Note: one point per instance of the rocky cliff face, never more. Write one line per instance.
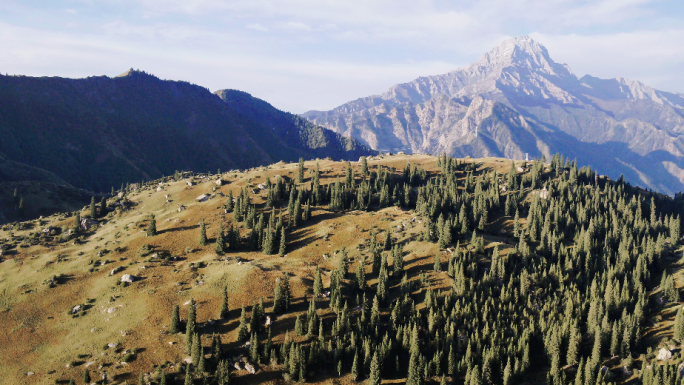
(514, 100)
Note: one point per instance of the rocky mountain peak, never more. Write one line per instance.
(523, 52)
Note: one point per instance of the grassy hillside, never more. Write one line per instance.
(491, 303)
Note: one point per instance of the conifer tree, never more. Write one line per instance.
(141, 378)
(300, 171)
(77, 222)
(355, 366)
(242, 328)
(679, 325)
(283, 242)
(219, 240)
(364, 166)
(361, 274)
(278, 300)
(152, 226)
(437, 266)
(223, 313)
(203, 233)
(388, 240)
(188, 376)
(93, 212)
(196, 349)
(254, 348)
(190, 325)
(175, 320)
(318, 282)
(103, 206)
(86, 377)
(223, 373)
(375, 377)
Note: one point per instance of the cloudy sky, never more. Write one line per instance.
(317, 54)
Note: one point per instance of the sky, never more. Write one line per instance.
(302, 55)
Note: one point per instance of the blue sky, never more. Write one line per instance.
(317, 54)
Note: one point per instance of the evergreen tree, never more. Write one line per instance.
(77, 222)
(300, 171)
(203, 233)
(93, 212)
(375, 377)
(152, 226)
(355, 366)
(86, 377)
(219, 240)
(283, 242)
(364, 166)
(437, 266)
(679, 325)
(175, 320)
(190, 326)
(318, 282)
(361, 275)
(278, 298)
(188, 376)
(242, 329)
(103, 206)
(196, 351)
(224, 312)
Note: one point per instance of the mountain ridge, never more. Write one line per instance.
(547, 106)
(99, 132)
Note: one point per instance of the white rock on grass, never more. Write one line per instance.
(127, 278)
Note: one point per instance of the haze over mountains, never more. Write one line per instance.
(99, 132)
(515, 100)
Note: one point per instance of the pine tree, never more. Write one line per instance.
(202, 365)
(437, 266)
(283, 242)
(278, 300)
(77, 222)
(242, 329)
(141, 378)
(254, 348)
(318, 282)
(223, 373)
(223, 313)
(355, 366)
(103, 206)
(152, 226)
(361, 275)
(188, 376)
(364, 166)
(675, 230)
(175, 320)
(190, 325)
(86, 377)
(388, 241)
(414, 370)
(374, 378)
(300, 171)
(203, 233)
(93, 212)
(679, 325)
(219, 240)
(196, 349)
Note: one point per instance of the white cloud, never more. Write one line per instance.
(257, 27)
(294, 26)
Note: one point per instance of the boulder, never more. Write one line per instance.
(250, 369)
(127, 278)
(664, 355)
(189, 182)
(76, 309)
(219, 182)
(87, 223)
(202, 198)
(116, 270)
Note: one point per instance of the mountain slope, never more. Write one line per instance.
(514, 100)
(99, 132)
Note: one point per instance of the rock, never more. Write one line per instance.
(189, 182)
(116, 270)
(237, 366)
(127, 278)
(29, 373)
(89, 363)
(87, 223)
(181, 208)
(75, 309)
(250, 368)
(171, 343)
(268, 321)
(159, 189)
(187, 360)
(111, 310)
(202, 198)
(219, 182)
(664, 355)
(112, 345)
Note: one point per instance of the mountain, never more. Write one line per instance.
(516, 100)
(99, 132)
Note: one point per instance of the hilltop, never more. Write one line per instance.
(429, 266)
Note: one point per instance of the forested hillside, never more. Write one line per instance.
(99, 132)
(412, 269)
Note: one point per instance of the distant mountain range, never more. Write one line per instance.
(516, 100)
(99, 132)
